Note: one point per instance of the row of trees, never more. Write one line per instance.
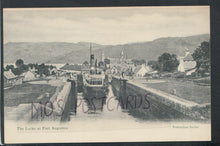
(21, 68)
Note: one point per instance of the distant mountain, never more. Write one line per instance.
(42, 52)
(151, 50)
(62, 52)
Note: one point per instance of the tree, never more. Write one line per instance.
(154, 64)
(19, 63)
(43, 69)
(17, 71)
(8, 67)
(202, 56)
(30, 65)
(21, 67)
(168, 62)
(51, 66)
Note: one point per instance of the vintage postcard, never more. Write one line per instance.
(107, 74)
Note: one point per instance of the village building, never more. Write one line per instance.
(9, 78)
(118, 60)
(28, 76)
(186, 63)
(141, 70)
(121, 64)
(113, 61)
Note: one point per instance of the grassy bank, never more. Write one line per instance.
(185, 89)
(27, 93)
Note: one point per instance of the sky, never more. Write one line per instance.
(107, 26)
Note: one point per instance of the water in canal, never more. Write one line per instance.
(88, 107)
(97, 107)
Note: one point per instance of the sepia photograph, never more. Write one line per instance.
(107, 74)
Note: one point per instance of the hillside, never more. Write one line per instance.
(43, 52)
(151, 50)
(61, 52)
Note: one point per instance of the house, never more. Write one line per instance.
(28, 76)
(141, 70)
(9, 78)
(186, 62)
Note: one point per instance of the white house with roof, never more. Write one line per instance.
(28, 76)
(10, 78)
(186, 63)
(141, 70)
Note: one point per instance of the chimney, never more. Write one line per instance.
(91, 60)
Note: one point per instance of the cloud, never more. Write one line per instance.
(104, 25)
